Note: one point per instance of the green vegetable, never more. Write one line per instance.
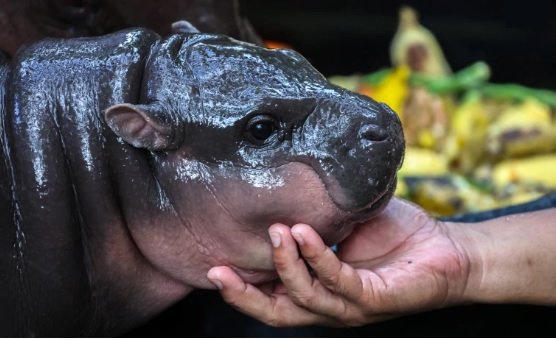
(468, 78)
(518, 93)
(375, 78)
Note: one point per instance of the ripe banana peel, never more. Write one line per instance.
(415, 46)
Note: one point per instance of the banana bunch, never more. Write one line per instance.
(471, 144)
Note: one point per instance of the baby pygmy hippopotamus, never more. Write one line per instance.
(131, 164)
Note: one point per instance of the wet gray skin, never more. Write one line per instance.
(131, 164)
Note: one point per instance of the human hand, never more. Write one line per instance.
(402, 261)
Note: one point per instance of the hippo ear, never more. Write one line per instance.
(183, 26)
(136, 125)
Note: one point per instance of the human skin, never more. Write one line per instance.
(401, 262)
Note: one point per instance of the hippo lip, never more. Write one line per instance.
(357, 217)
(336, 192)
(339, 195)
(369, 211)
(378, 201)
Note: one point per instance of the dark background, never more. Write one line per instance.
(516, 38)
(518, 41)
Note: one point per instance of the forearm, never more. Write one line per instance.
(512, 258)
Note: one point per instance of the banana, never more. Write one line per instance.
(522, 130)
(423, 162)
(393, 88)
(415, 46)
(468, 128)
(538, 170)
(449, 195)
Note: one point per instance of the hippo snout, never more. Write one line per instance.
(359, 147)
(369, 133)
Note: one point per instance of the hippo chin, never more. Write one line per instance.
(131, 164)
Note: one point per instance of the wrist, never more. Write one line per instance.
(467, 286)
(511, 259)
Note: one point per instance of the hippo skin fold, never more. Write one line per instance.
(130, 164)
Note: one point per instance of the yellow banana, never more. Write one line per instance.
(536, 169)
(522, 130)
(393, 89)
(468, 129)
(449, 195)
(423, 162)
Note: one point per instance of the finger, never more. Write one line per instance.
(302, 287)
(290, 266)
(334, 274)
(275, 309)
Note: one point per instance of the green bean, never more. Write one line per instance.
(518, 93)
(468, 78)
(376, 77)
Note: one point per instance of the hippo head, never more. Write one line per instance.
(240, 137)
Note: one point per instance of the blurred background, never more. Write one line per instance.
(472, 82)
(343, 37)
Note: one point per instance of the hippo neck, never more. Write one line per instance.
(76, 188)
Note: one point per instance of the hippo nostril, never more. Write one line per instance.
(372, 133)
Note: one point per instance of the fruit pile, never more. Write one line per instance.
(471, 145)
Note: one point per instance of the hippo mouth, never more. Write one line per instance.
(342, 225)
(350, 215)
(351, 219)
(372, 209)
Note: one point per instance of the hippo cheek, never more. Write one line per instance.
(291, 193)
(201, 233)
(224, 215)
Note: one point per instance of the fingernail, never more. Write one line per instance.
(217, 283)
(298, 238)
(275, 238)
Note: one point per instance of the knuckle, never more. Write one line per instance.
(283, 262)
(232, 300)
(332, 277)
(352, 316)
(274, 321)
(235, 298)
(303, 299)
(316, 255)
(351, 320)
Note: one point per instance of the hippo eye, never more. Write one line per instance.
(260, 128)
